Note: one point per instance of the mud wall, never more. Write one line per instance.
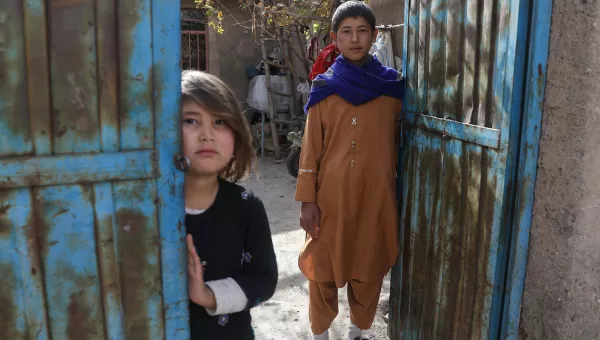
(562, 288)
(233, 50)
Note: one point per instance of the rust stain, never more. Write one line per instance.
(30, 230)
(139, 279)
(13, 91)
(78, 317)
(4, 209)
(108, 265)
(39, 223)
(450, 232)
(411, 166)
(5, 223)
(38, 83)
(60, 212)
(5, 227)
(8, 317)
(74, 78)
(108, 62)
(540, 86)
(129, 18)
(84, 311)
(66, 3)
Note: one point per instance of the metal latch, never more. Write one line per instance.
(182, 163)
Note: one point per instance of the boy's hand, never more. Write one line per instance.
(310, 218)
(198, 292)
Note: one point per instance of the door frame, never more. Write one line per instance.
(524, 164)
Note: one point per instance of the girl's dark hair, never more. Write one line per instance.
(352, 9)
(213, 95)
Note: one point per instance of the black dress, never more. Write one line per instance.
(233, 240)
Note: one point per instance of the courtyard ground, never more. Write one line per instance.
(285, 316)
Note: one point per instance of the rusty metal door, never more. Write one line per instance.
(464, 62)
(90, 201)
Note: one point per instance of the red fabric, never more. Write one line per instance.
(324, 61)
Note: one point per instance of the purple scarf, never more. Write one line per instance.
(356, 85)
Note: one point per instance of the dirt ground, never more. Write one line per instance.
(285, 316)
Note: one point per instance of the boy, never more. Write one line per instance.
(347, 178)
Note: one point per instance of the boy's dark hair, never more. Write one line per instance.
(352, 9)
(213, 95)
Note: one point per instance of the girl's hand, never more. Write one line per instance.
(198, 292)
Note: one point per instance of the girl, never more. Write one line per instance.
(231, 261)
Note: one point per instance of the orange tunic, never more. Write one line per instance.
(348, 168)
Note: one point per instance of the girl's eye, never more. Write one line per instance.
(219, 122)
(190, 121)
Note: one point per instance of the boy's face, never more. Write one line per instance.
(354, 38)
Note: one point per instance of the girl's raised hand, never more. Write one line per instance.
(197, 290)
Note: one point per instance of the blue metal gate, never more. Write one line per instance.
(465, 63)
(90, 202)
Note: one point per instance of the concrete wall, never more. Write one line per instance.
(233, 50)
(391, 12)
(562, 288)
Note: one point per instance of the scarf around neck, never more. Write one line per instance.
(356, 84)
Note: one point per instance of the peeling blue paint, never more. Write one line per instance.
(91, 204)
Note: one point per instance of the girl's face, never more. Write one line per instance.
(207, 141)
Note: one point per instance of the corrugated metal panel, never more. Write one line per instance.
(461, 60)
(90, 202)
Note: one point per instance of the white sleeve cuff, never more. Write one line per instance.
(229, 296)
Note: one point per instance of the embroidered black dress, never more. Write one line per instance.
(233, 240)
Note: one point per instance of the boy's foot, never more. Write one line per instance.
(323, 336)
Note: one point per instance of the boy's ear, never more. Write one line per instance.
(375, 33)
(333, 36)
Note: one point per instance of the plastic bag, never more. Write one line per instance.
(257, 93)
(383, 49)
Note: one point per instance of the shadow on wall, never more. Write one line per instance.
(562, 287)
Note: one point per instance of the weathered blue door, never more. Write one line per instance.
(90, 201)
(464, 66)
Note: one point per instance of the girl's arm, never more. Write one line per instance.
(259, 279)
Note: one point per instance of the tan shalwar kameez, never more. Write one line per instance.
(348, 168)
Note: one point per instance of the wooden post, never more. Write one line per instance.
(272, 110)
(283, 40)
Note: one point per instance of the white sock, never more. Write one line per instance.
(354, 332)
(322, 336)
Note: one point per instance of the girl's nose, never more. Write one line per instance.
(206, 133)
